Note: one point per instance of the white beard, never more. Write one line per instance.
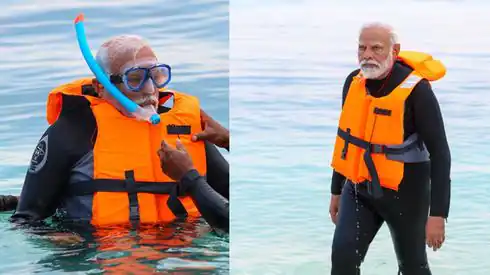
(374, 72)
(149, 102)
(149, 108)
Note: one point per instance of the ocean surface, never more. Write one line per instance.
(288, 62)
(39, 51)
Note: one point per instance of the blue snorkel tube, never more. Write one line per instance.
(127, 104)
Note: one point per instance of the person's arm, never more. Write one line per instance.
(45, 179)
(213, 132)
(337, 178)
(337, 183)
(177, 164)
(429, 125)
(211, 195)
(213, 207)
(218, 171)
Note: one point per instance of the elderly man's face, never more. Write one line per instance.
(147, 96)
(375, 52)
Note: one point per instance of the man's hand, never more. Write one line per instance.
(435, 232)
(213, 132)
(8, 202)
(65, 238)
(334, 207)
(175, 163)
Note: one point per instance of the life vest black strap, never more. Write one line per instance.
(174, 203)
(85, 188)
(373, 148)
(374, 187)
(132, 188)
(134, 209)
(89, 90)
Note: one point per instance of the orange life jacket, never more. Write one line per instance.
(370, 143)
(128, 183)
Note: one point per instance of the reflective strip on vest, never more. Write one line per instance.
(410, 81)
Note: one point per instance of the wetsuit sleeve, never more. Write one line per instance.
(429, 125)
(211, 194)
(45, 179)
(337, 178)
(218, 170)
(213, 207)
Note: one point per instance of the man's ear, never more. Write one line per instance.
(396, 50)
(99, 89)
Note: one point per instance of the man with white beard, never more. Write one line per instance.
(391, 158)
(98, 164)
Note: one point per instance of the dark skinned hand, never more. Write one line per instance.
(213, 132)
(175, 162)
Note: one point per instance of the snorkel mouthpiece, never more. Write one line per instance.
(130, 106)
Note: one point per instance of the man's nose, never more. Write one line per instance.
(148, 87)
(367, 55)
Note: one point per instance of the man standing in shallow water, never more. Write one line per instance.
(391, 155)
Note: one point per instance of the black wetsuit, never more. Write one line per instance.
(424, 185)
(69, 142)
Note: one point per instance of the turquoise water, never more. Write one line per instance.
(39, 52)
(288, 62)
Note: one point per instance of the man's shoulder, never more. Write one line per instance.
(423, 84)
(74, 126)
(350, 76)
(422, 89)
(354, 73)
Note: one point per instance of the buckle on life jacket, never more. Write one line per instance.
(89, 90)
(130, 182)
(377, 148)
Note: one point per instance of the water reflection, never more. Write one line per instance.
(184, 246)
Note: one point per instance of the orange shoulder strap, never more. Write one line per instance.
(192, 102)
(54, 102)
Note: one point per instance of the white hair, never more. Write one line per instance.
(393, 35)
(112, 48)
(102, 59)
